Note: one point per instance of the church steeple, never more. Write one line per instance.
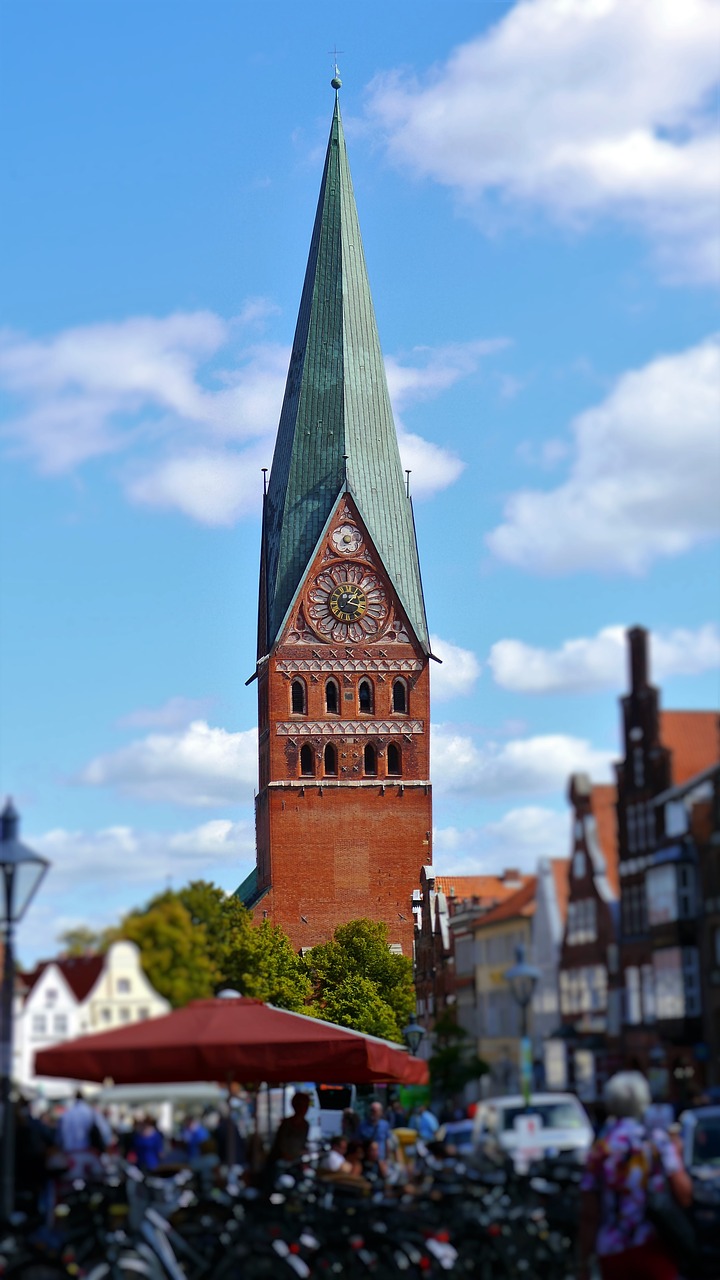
(336, 432)
(343, 812)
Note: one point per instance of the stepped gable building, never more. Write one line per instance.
(660, 973)
(343, 812)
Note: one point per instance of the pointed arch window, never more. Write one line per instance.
(298, 700)
(307, 761)
(370, 756)
(394, 760)
(332, 697)
(400, 697)
(330, 760)
(365, 696)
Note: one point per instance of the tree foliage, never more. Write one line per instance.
(174, 951)
(358, 982)
(81, 940)
(202, 928)
(453, 1063)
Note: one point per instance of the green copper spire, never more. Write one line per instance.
(336, 430)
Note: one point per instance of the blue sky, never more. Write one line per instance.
(537, 186)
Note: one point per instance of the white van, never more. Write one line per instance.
(333, 1099)
(551, 1123)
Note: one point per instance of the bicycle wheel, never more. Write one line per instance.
(127, 1267)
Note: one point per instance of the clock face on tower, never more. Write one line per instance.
(347, 602)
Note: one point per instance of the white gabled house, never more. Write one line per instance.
(73, 996)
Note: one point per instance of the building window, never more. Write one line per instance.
(370, 757)
(393, 760)
(662, 902)
(647, 979)
(583, 990)
(638, 763)
(39, 1024)
(307, 761)
(581, 921)
(60, 1024)
(691, 982)
(124, 1015)
(332, 697)
(631, 824)
(51, 995)
(669, 987)
(578, 866)
(633, 1013)
(298, 698)
(686, 891)
(365, 696)
(634, 910)
(123, 986)
(106, 1015)
(399, 696)
(143, 1015)
(330, 760)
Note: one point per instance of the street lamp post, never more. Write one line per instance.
(522, 979)
(412, 1034)
(22, 872)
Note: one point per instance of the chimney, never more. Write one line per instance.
(638, 640)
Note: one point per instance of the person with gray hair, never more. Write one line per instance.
(626, 1161)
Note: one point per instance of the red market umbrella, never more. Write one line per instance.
(239, 1039)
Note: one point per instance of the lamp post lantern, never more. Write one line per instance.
(22, 872)
(522, 979)
(412, 1034)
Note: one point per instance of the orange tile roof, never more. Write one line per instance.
(561, 876)
(694, 739)
(520, 903)
(604, 799)
(494, 888)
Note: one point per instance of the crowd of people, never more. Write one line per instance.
(634, 1161)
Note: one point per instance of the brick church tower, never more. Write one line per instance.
(344, 809)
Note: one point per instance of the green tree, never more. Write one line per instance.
(175, 954)
(230, 950)
(261, 963)
(453, 1063)
(359, 982)
(81, 940)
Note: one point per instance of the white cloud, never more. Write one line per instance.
(458, 674)
(192, 408)
(517, 840)
(95, 876)
(643, 480)
(214, 487)
(580, 108)
(198, 766)
(528, 766)
(173, 714)
(590, 663)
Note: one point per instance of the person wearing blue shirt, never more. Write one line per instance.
(426, 1123)
(376, 1129)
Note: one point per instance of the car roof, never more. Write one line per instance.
(517, 1100)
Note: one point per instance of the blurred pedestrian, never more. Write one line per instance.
(396, 1115)
(624, 1162)
(146, 1144)
(376, 1128)
(83, 1134)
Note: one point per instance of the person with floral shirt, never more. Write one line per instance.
(624, 1161)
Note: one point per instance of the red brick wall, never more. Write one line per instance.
(335, 848)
